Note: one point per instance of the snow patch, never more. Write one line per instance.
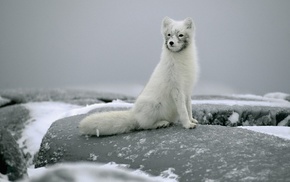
(169, 174)
(91, 172)
(165, 176)
(3, 178)
(84, 110)
(234, 118)
(42, 114)
(279, 131)
(268, 103)
(277, 95)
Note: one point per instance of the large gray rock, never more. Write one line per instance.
(146, 147)
(205, 153)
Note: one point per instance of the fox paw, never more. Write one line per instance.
(189, 125)
(162, 124)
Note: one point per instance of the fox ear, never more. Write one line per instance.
(188, 22)
(166, 21)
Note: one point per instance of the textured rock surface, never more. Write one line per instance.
(250, 111)
(12, 161)
(13, 118)
(205, 153)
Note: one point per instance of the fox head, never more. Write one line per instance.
(177, 34)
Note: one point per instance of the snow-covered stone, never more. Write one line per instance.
(206, 153)
(248, 110)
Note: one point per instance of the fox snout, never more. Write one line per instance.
(171, 43)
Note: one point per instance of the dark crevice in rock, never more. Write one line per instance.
(105, 100)
(11, 103)
(3, 165)
(281, 116)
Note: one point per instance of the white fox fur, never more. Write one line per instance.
(167, 96)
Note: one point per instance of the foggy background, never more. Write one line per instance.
(243, 45)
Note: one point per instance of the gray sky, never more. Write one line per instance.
(244, 45)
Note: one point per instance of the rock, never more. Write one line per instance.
(12, 161)
(250, 110)
(206, 153)
(72, 96)
(14, 118)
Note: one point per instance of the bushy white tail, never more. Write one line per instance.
(108, 123)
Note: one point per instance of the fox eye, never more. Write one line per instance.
(168, 34)
(180, 35)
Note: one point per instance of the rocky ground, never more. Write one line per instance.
(215, 151)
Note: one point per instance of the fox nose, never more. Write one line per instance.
(171, 43)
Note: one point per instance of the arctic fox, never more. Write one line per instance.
(167, 96)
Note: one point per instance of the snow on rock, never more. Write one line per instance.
(279, 131)
(91, 172)
(245, 100)
(234, 118)
(52, 127)
(42, 115)
(114, 104)
(252, 110)
(277, 95)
